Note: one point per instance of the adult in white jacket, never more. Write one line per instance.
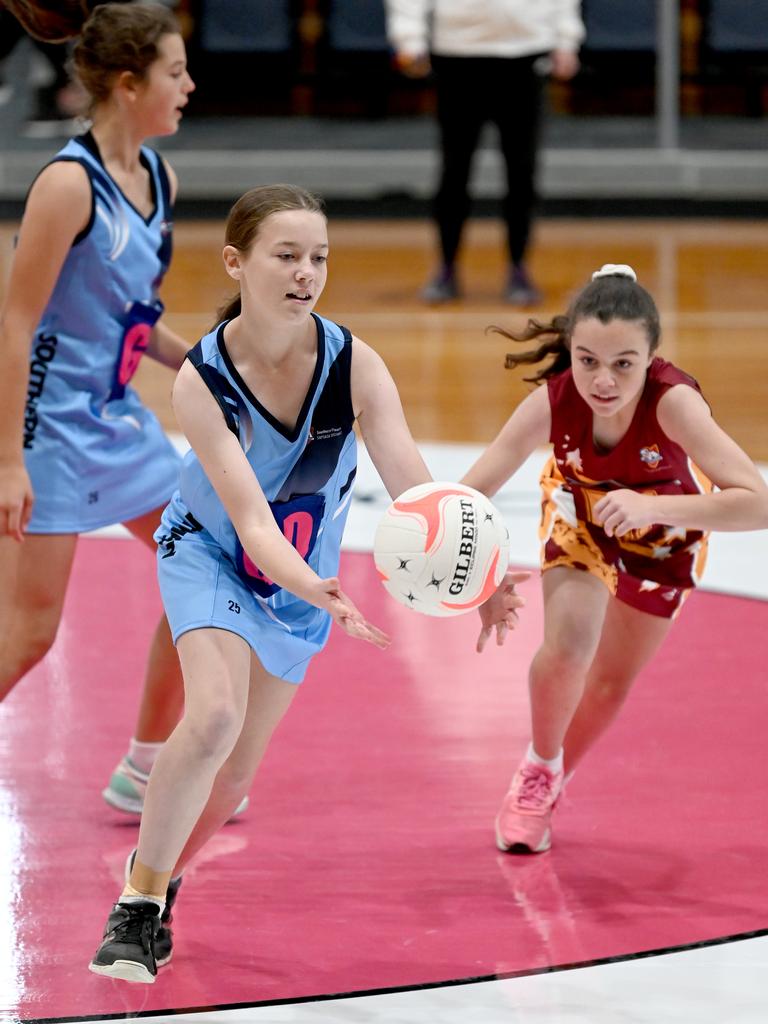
(490, 59)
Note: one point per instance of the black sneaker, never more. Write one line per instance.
(128, 948)
(164, 937)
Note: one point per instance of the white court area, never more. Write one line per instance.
(720, 984)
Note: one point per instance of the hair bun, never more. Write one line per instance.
(615, 270)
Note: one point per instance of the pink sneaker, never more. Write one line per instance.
(523, 823)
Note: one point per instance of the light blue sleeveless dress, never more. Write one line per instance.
(306, 473)
(94, 453)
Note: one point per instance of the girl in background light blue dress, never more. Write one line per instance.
(78, 450)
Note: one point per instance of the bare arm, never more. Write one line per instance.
(173, 181)
(228, 470)
(382, 423)
(234, 481)
(167, 347)
(526, 429)
(58, 208)
(408, 31)
(740, 504)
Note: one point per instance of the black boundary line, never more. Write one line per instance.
(327, 997)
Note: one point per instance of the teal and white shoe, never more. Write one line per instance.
(128, 784)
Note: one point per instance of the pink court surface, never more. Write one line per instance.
(366, 861)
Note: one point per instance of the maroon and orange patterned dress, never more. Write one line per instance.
(654, 568)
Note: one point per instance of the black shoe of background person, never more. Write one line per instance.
(442, 288)
(520, 289)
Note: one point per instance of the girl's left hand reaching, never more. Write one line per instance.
(500, 610)
(624, 510)
(346, 615)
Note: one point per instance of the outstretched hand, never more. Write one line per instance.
(500, 610)
(345, 614)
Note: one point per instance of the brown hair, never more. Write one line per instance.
(606, 298)
(249, 213)
(119, 37)
(53, 21)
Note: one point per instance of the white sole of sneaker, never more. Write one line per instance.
(124, 970)
(122, 803)
(128, 806)
(505, 847)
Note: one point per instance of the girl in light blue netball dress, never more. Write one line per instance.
(306, 471)
(78, 450)
(248, 548)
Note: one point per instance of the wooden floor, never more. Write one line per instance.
(709, 278)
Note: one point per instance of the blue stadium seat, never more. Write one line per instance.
(242, 26)
(354, 59)
(620, 25)
(357, 26)
(734, 49)
(736, 26)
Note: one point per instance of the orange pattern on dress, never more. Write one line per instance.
(577, 551)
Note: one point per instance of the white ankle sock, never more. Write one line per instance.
(142, 755)
(554, 764)
(142, 898)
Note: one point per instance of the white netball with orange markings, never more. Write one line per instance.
(441, 548)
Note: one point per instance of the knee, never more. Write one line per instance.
(37, 641)
(214, 730)
(610, 690)
(24, 644)
(562, 659)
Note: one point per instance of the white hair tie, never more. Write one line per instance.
(615, 270)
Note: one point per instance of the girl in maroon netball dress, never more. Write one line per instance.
(639, 474)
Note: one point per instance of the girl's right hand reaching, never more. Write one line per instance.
(346, 615)
(500, 610)
(16, 500)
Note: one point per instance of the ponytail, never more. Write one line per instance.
(51, 21)
(612, 294)
(229, 310)
(555, 344)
